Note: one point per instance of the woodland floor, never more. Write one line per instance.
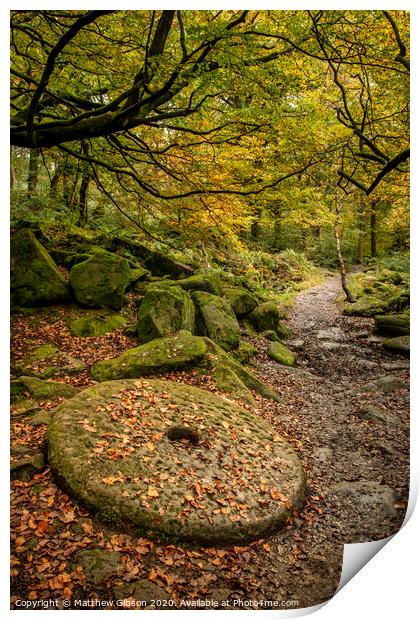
(318, 415)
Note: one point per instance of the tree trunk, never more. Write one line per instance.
(342, 266)
(32, 172)
(373, 249)
(255, 224)
(362, 233)
(54, 182)
(83, 194)
(12, 168)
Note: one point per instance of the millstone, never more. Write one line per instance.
(175, 460)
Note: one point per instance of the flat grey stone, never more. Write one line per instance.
(369, 412)
(332, 333)
(143, 591)
(97, 564)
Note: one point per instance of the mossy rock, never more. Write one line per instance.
(41, 353)
(48, 361)
(96, 323)
(244, 353)
(139, 274)
(281, 354)
(366, 306)
(25, 466)
(228, 382)
(98, 564)
(158, 263)
(155, 357)
(213, 491)
(216, 357)
(40, 390)
(392, 324)
(164, 311)
(100, 281)
(271, 335)
(216, 320)
(400, 344)
(143, 591)
(67, 258)
(241, 300)
(264, 317)
(207, 282)
(35, 278)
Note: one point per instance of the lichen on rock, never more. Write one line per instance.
(216, 320)
(164, 311)
(214, 492)
(100, 281)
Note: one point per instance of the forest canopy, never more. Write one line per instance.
(224, 119)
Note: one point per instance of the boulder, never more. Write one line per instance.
(228, 382)
(241, 300)
(216, 357)
(271, 335)
(244, 353)
(48, 361)
(281, 354)
(40, 390)
(155, 357)
(387, 383)
(216, 320)
(227, 479)
(392, 324)
(164, 311)
(374, 414)
(158, 263)
(35, 278)
(100, 281)
(139, 274)
(25, 465)
(96, 323)
(400, 344)
(145, 592)
(265, 317)
(98, 564)
(208, 282)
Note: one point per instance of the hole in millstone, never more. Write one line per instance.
(179, 433)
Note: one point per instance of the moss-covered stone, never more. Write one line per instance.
(137, 275)
(244, 353)
(216, 357)
(208, 282)
(387, 383)
(366, 306)
(271, 335)
(177, 489)
(400, 344)
(96, 323)
(24, 467)
(164, 311)
(264, 317)
(228, 382)
(281, 354)
(241, 300)
(216, 319)
(143, 591)
(40, 390)
(35, 278)
(154, 357)
(48, 361)
(100, 281)
(392, 324)
(98, 564)
(159, 263)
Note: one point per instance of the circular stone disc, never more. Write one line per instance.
(176, 460)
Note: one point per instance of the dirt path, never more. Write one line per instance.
(357, 468)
